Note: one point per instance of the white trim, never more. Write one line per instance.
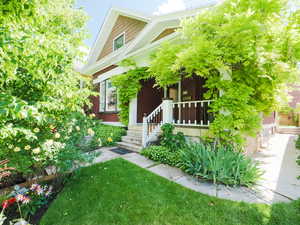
(124, 41)
(116, 124)
(106, 28)
(109, 74)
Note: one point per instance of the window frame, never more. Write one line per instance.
(104, 110)
(124, 40)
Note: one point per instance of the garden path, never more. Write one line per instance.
(278, 161)
(258, 194)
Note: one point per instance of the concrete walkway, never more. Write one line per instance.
(259, 194)
(278, 161)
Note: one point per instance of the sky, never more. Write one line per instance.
(98, 9)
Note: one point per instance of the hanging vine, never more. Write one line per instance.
(128, 86)
(246, 50)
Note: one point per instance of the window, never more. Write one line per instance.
(108, 97)
(119, 42)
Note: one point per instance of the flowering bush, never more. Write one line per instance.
(39, 91)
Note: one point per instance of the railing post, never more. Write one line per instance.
(145, 131)
(167, 108)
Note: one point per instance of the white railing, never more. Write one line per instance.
(152, 124)
(192, 113)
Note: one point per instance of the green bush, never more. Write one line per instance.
(170, 140)
(162, 154)
(298, 142)
(220, 164)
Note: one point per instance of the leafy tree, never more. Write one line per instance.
(248, 52)
(39, 91)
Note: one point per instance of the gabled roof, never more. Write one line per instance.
(107, 26)
(156, 24)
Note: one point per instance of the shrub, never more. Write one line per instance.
(170, 140)
(298, 142)
(219, 165)
(162, 154)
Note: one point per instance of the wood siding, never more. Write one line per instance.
(131, 28)
(165, 33)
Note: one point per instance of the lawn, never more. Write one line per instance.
(118, 192)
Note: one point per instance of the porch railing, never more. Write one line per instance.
(152, 124)
(191, 113)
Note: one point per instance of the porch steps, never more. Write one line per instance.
(133, 140)
(289, 130)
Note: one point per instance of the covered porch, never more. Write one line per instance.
(181, 104)
(186, 99)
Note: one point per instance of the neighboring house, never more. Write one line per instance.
(125, 34)
(292, 118)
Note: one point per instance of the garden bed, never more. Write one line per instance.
(57, 182)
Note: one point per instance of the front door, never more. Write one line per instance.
(149, 98)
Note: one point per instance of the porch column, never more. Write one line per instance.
(132, 112)
(167, 108)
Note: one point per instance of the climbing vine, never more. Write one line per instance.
(248, 53)
(128, 86)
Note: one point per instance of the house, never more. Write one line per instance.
(126, 34)
(291, 117)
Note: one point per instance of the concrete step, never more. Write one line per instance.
(132, 139)
(130, 146)
(134, 133)
(287, 130)
(136, 128)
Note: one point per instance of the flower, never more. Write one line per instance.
(36, 130)
(27, 147)
(20, 197)
(34, 187)
(51, 127)
(17, 149)
(77, 128)
(39, 190)
(91, 132)
(26, 200)
(8, 202)
(36, 150)
(109, 139)
(10, 146)
(92, 115)
(57, 135)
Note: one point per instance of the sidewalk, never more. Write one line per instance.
(255, 195)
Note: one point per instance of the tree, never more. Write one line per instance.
(248, 52)
(39, 91)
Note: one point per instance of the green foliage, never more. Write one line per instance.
(128, 86)
(172, 141)
(40, 98)
(248, 53)
(298, 142)
(162, 154)
(132, 195)
(221, 164)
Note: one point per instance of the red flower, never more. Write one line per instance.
(7, 203)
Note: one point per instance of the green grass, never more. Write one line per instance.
(118, 192)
